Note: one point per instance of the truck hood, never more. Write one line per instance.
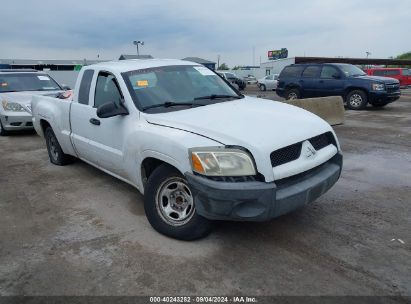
(385, 80)
(259, 125)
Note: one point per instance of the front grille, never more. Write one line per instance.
(233, 179)
(29, 124)
(322, 141)
(286, 154)
(292, 152)
(393, 87)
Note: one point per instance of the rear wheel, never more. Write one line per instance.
(292, 94)
(56, 154)
(3, 132)
(356, 100)
(169, 206)
(262, 87)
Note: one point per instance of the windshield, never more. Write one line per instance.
(351, 70)
(171, 85)
(27, 82)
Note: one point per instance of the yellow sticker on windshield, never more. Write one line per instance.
(4, 84)
(142, 83)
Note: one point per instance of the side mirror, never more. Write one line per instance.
(65, 87)
(111, 109)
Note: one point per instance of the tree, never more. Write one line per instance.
(223, 67)
(237, 67)
(405, 56)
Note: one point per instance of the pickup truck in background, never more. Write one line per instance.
(197, 149)
(336, 79)
(17, 86)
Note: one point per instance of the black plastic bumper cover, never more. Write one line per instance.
(260, 201)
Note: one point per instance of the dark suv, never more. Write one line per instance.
(331, 79)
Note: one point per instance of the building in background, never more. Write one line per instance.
(206, 63)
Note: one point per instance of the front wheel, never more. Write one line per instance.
(356, 100)
(169, 206)
(262, 87)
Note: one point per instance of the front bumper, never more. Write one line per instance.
(383, 97)
(16, 121)
(260, 201)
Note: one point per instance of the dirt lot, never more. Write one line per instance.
(77, 231)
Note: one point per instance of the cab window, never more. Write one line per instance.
(107, 90)
(329, 72)
(311, 72)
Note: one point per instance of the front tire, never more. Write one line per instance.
(169, 206)
(56, 154)
(262, 87)
(356, 100)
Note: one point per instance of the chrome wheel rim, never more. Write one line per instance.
(355, 100)
(174, 202)
(262, 87)
(292, 96)
(53, 147)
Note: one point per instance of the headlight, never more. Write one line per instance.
(221, 162)
(12, 106)
(378, 87)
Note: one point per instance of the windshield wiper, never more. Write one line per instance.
(356, 75)
(168, 104)
(216, 96)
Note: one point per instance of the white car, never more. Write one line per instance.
(195, 148)
(269, 82)
(16, 89)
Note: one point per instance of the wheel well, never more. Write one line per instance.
(44, 124)
(149, 165)
(292, 86)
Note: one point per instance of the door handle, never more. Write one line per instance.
(94, 121)
(321, 81)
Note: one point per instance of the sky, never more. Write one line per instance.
(241, 32)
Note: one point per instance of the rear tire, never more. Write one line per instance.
(292, 94)
(169, 206)
(262, 87)
(356, 100)
(2, 131)
(56, 154)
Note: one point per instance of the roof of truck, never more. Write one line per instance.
(137, 64)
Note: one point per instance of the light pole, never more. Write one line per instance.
(368, 53)
(136, 43)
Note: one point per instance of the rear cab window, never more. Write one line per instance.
(85, 85)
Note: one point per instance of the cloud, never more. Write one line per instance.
(179, 28)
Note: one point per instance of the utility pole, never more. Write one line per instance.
(218, 61)
(136, 43)
(253, 55)
(368, 53)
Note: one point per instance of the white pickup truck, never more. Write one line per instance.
(191, 143)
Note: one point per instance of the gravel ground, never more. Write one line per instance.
(76, 231)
